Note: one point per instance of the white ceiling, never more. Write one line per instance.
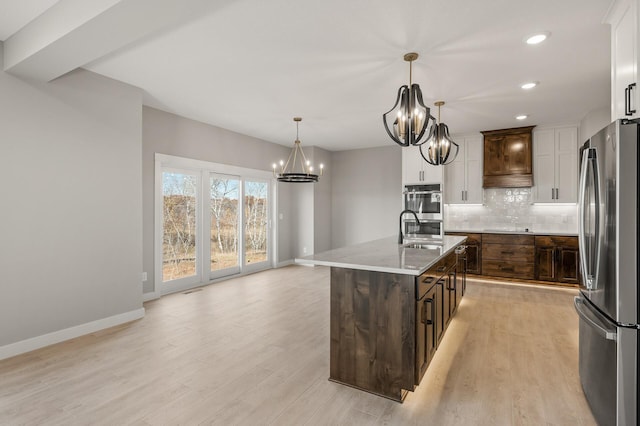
(251, 65)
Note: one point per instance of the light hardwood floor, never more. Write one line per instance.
(255, 350)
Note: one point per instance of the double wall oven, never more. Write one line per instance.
(426, 201)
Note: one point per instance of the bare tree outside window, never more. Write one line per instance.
(179, 225)
(256, 221)
(224, 194)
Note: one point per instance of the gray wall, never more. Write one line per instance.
(322, 202)
(71, 225)
(366, 198)
(170, 134)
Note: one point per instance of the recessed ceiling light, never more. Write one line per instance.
(538, 37)
(529, 85)
(521, 117)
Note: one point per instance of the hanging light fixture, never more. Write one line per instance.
(305, 173)
(409, 120)
(440, 145)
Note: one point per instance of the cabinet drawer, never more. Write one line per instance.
(471, 238)
(508, 252)
(508, 239)
(556, 241)
(498, 268)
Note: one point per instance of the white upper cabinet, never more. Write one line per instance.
(624, 20)
(463, 177)
(555, 165)
(417, 171)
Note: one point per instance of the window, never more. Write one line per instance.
(212, 220)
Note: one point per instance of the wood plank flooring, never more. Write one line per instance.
(255, 350)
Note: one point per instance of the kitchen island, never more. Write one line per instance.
(390, 306)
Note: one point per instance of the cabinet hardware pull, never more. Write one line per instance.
(506, 252)
(626, 101)
(430, 302)
(630, 87)
(428, 280)
(462, 195)
(557, 194)
(553, 194)
(507, 269)
(441, 268)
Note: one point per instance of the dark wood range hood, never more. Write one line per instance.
(508, 158)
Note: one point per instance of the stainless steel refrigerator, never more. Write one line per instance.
(608, 302)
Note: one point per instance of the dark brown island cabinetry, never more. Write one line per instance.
(508, 158)
(557, 259)
(386, 327)
(474, 251)
(508, 256)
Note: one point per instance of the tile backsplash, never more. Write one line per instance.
(510, 209)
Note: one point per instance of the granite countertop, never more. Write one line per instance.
(386, 255)
(514, 232)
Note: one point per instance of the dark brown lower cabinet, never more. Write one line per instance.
(474, 251)
(557, 259)
(385, 328)
(426, 330)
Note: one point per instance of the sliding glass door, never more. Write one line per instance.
(213, 221)
(256, 223)
(224, 212)
(180, 223)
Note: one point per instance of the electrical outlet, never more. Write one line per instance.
(144, 276)
(304, 250)
(281, 216)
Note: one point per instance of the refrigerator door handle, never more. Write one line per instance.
(581, 229)
(593, 321)
(590, 271)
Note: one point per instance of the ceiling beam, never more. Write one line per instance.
(73, 33)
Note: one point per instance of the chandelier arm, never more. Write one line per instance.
(286, 165)
(428, 115)
(295, 156)
(445, 162)
(431, 130)
(384, 118)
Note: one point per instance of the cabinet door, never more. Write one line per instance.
(443, 304)
(454, 294)
(568, 264)
(430, 173)
(473, 170)
(426, 318)
(473, 259)
(566, 169)
(624, 44)
(544, 166)
(545, 264)
(455, 180)
(411, 165)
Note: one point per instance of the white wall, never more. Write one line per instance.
(366, 194)
(166, 133)
(71, 226)
(593, 122)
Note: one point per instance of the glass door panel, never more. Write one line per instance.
(256, 221)
(224, 196)
(179, 225)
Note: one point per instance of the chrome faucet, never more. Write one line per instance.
(400, 236)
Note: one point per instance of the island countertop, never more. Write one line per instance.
(386, 255)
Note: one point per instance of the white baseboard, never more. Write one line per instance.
(152, 295)
(285, 263)
(38, 342)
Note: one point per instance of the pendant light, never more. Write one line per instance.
(305, 173)
(409, 120)
(439, 145)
